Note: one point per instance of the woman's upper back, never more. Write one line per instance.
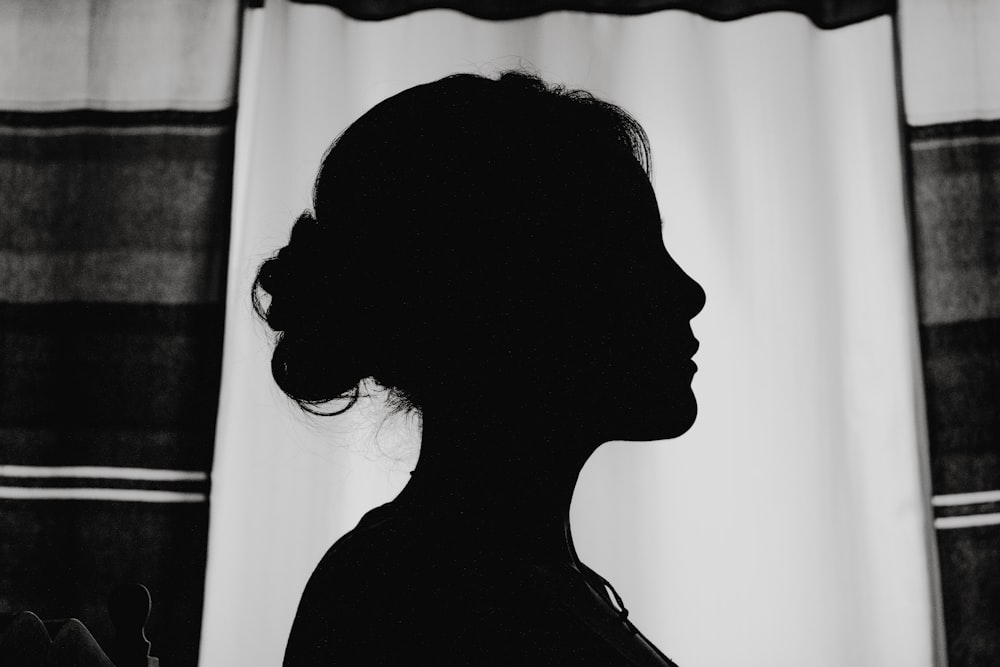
(395, 591)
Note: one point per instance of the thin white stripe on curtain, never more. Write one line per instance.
(789, 527)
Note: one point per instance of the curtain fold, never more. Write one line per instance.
(116, 147)
(788, 527)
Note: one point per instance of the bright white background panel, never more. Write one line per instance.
(118, 55)
(788, 527)
(951, 60)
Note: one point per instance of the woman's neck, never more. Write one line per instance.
(509, 486)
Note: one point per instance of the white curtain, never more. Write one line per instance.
(789, 526)
(951, 60)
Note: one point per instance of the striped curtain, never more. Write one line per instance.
(951, 70)
(116, 146)
(790, 526)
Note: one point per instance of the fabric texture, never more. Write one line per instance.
(116, 146)
(790, 526)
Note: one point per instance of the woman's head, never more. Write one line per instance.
(489, 246)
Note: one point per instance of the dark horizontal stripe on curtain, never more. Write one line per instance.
(827, 14)
(958, 130)
(956, 196)
(962, 376)
(102, 118)
(76, 371)
(971, 510)
(61, 444)
(60, 556)
(970, 579)
(114, 213)
(198, 320)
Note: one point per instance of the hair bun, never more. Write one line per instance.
(295, 276)
(315, 323)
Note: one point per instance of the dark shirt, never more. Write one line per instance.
(398, 590)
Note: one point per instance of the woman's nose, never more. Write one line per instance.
(689, 295)
(698, 297)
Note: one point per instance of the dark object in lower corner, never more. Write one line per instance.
(28, 641)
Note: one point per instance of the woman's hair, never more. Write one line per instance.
(440, 219)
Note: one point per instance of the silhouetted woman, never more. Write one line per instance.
(489, 251)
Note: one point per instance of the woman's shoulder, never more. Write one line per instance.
(379, 555)
(396, 591)
(380, 592)
(390, 548)
(379, 539)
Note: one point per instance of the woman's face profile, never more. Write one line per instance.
(632, 328)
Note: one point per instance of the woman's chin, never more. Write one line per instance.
(663, 419)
